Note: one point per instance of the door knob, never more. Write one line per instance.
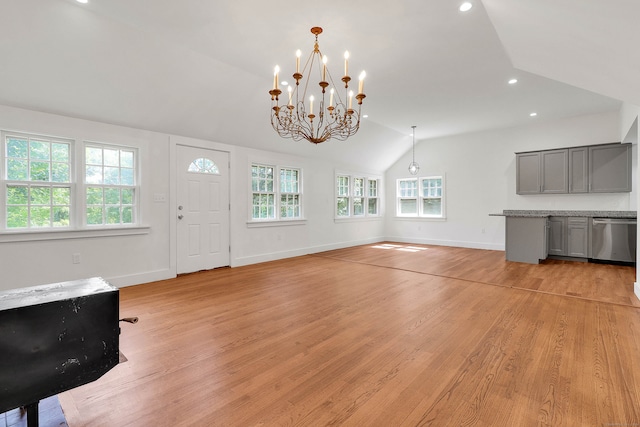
(180, 216)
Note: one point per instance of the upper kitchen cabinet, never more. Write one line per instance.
(542, 172)
(596, 169)
(579, 170)
(528, 173)
(554, 172)
(610, 168)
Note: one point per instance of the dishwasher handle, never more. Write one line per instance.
(614, 221)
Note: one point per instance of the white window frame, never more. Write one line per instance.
(32, 185)
(357, 195)
(278, 194)
(419, 197)
(134, 188)
(77, 226)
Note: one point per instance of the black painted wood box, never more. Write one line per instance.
(56, 337)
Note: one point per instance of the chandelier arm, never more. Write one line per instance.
(336, 92)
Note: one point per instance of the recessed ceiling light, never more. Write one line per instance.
(365, 116)
(533, 114)
(284, 83)
(465, 6)
(83, 1)
(513, 81)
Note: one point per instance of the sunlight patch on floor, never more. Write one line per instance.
(402, 248)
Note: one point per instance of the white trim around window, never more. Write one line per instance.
(357, 196)
(275, 195)
(421, 197)
(43, 185)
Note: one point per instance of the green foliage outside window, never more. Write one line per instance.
(43, 166)
(110, 174)
(357, 196)
(37, 207)
(38, 179)
(109, 205)
(276, 192)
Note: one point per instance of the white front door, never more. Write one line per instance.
(203, 209)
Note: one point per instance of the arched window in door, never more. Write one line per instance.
(204, 165)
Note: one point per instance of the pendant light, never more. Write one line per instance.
(413, 166)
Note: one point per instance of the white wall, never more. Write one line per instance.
(123, 259)
(480, 179)
(321, 231)
(150, 256)
(629, 127)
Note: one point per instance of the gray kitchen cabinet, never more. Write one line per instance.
(610, 168)
(542, 172)
(528, 173)
(590, 169)
(579, 170)
(557, 236)
(568, 236)
(578, 237)
(526, 239)
(554, 171)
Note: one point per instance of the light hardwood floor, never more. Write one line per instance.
(376, 335)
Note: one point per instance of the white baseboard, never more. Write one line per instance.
(154, 276)
(636, 289)
(139, 278)
(273, 256)
(454, 243)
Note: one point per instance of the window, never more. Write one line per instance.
(276, 193)
(356, 196)
(343, 196)
(373, 197)
(289, 193)
(110, 185)
(39, 192)
(431, 196)
(37, 182)
(204, 165)
(421, 197)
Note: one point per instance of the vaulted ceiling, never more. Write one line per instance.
(203, 68)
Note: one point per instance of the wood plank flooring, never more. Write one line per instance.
(376, 335)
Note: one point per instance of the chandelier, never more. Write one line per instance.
(298, 120)
(414, 167)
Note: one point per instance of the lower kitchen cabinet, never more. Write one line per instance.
(569, 236)
(557, 235)
(532, 236)
(578, 237)
(526, 239)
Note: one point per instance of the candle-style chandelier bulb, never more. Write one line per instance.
(296, 117)
(414, 167)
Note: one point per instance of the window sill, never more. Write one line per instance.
(84, 233)
(276, 223)
(358, 219)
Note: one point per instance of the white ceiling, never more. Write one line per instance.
(204, 68)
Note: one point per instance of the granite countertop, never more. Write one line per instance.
(546, 213)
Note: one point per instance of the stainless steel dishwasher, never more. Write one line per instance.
(613, 239)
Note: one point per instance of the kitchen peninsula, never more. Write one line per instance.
(534, 235)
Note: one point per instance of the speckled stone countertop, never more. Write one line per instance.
(542, 214)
